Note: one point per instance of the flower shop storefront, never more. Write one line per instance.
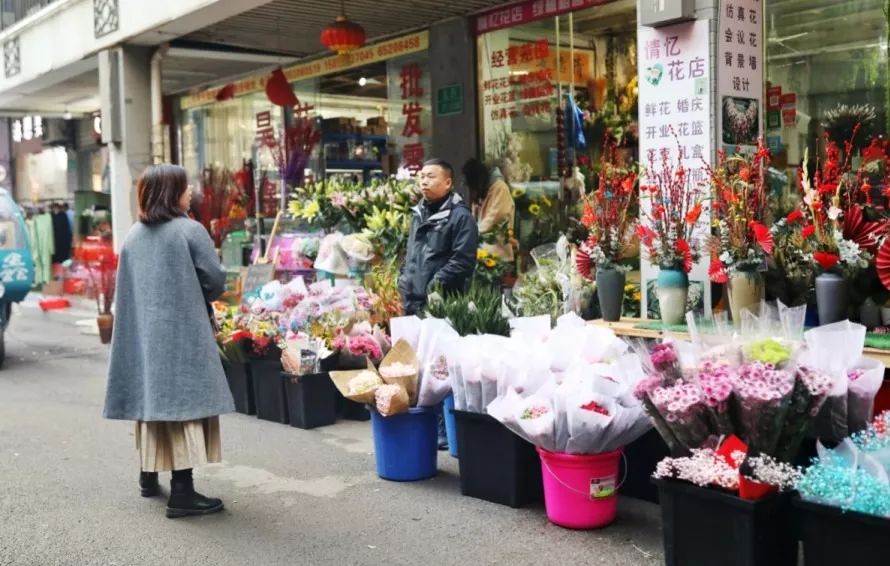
(541, 59)
(353, 119)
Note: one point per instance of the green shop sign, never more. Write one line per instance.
(450, 100)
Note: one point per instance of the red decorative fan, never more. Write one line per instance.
(583, 263)
(882, 263)
(717, 271)
(864, 232)
(686, 252)
(764, 237)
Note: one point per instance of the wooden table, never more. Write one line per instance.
(628, 327)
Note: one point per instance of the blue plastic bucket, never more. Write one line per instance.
(406, 446)
(450, 425)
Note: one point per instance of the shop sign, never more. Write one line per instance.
(367, 55)
(450, 100)
(675, 112)
(27, 128)
(410, 83)
(789, 117)
(774, 98)
(525, 91)
(529, 11)
(740, 73)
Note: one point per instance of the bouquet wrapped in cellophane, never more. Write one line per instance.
(568, 390)
(757, 386)
(854, 475)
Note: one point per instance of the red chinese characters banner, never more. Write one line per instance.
(409, 97)
(530, 11)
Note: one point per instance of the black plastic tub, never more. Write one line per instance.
(495, 464)
(350, 410)
(241, 385)
(268, 390)
(640, 458)
(311, 400)
(712, 527)
(831, 536)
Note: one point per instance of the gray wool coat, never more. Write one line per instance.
(165, 365)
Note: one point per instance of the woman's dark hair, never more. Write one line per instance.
(478, 178)
(159, 190)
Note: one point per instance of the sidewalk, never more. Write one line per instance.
(293, 497)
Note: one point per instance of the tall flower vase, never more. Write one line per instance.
(745, 290)
(610, 292)
(673, 289)
(831, 298)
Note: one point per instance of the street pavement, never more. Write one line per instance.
(68, 492)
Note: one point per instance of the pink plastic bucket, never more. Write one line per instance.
(580, 491)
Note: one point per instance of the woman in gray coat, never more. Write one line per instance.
(165, 372)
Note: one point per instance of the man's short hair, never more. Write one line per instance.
(449, 170)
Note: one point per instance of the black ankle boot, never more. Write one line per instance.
(185, 501)
(148, 484)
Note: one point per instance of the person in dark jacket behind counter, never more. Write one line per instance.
(443, 239)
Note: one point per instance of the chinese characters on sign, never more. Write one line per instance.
(265, 131)
(28, 128)
(522, 93)
(675, 110)
(412, 92)
(533, 10)
(675, 101)
(14, 269)
(740, 72)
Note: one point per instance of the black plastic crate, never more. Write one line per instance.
(268, 390)
(831, 536)
(350, 410)
(311, 400)
(640, 459)
(495, 464)
(708, 526)
(241, 385)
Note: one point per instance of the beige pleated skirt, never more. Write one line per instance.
(168, 446)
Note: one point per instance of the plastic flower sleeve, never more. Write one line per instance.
(865, 379)
(471, 371)
(532, 328)
(834, 349)
(588, 417)
(455, 353)
(406, 328)
(535, 417)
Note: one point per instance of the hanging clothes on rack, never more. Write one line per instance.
(42, 247)
(63, 238)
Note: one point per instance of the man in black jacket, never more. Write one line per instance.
(443, 240)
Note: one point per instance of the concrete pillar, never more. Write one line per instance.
(125, 90)
(453, 61)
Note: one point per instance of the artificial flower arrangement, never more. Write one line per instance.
(609, 215)
(842, 237)
(669, 225)
(741, 240)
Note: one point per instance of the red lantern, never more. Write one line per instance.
(343, 36)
